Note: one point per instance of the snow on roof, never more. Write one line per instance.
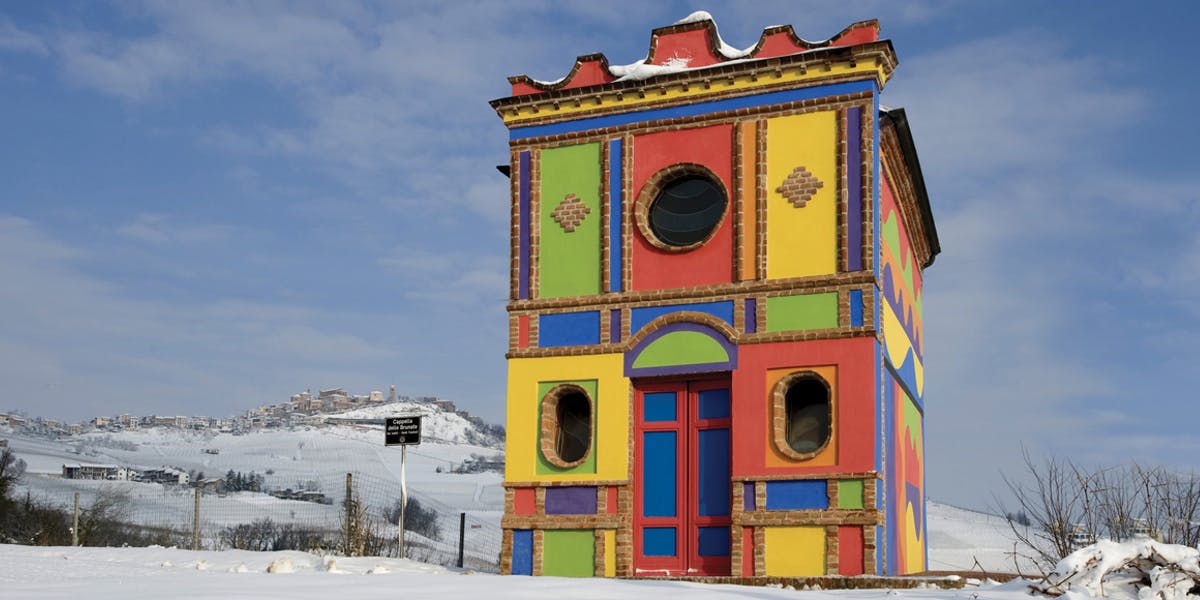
(692, 42)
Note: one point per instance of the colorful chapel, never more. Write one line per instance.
(715, 364)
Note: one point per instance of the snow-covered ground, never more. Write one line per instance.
(30, 573)
(958, 538)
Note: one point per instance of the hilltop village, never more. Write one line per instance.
(302, 409)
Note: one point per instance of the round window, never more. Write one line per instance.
(687, 210)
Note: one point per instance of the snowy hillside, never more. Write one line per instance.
(306, 458)
(436, 424)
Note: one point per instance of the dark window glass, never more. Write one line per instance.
(574, 427)
(808, 415)
(687, 210)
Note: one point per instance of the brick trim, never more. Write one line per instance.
(793, 518)
(561, 521)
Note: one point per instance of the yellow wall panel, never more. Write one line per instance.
(795, 551)
(610, 553)
(802, 241)
(611, 406)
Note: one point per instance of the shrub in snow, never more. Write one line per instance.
(1140, 569)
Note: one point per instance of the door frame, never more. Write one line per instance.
(687, 521)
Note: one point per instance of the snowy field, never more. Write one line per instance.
(28, 573)
(958, 539)
(303, 457)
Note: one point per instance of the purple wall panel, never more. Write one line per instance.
(751, 315)
(748, 496)
(854, 224)
(614, 326)
(573, 500)
(524, 232)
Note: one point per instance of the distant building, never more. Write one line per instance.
(166, 475)
(91, 471)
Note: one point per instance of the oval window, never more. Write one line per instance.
(687, 210)
(804, 415)
(566, 426)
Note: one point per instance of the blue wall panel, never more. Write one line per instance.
(522, 552)
(856, 308)
(640, 316)
(698, 108)
(615, 203)
(797, 495)
(658, 473)
(569, 329)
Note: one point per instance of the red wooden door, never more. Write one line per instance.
(682, 478)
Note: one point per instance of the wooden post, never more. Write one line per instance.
(462, 529)
(349, 509)
(75, 522)
(196, 522)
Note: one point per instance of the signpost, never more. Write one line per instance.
(403, 432)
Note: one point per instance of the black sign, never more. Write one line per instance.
(402, 431)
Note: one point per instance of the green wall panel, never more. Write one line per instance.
(798, 313)
(588, 466)
(681, 348)
(568, 553)
(850, 493)
(569, 262)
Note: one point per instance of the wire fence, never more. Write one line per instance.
(354, 514)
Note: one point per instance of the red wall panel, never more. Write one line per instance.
(854, 359)
(712, 262)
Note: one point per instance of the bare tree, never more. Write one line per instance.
(1053, 497)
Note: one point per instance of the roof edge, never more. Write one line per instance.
(908, 148)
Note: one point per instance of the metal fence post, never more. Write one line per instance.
(462, 531)
(196, 522)
(75, 522)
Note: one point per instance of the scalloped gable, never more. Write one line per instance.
(695, 43)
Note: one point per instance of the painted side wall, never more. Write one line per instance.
(711, 263)
(901, 313)
(530, 378)
(905, 481)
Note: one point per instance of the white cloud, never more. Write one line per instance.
(163, 229)
(110, 351)
(14, 39)
(1015, 101)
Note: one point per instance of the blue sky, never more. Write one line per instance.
(208, 206)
